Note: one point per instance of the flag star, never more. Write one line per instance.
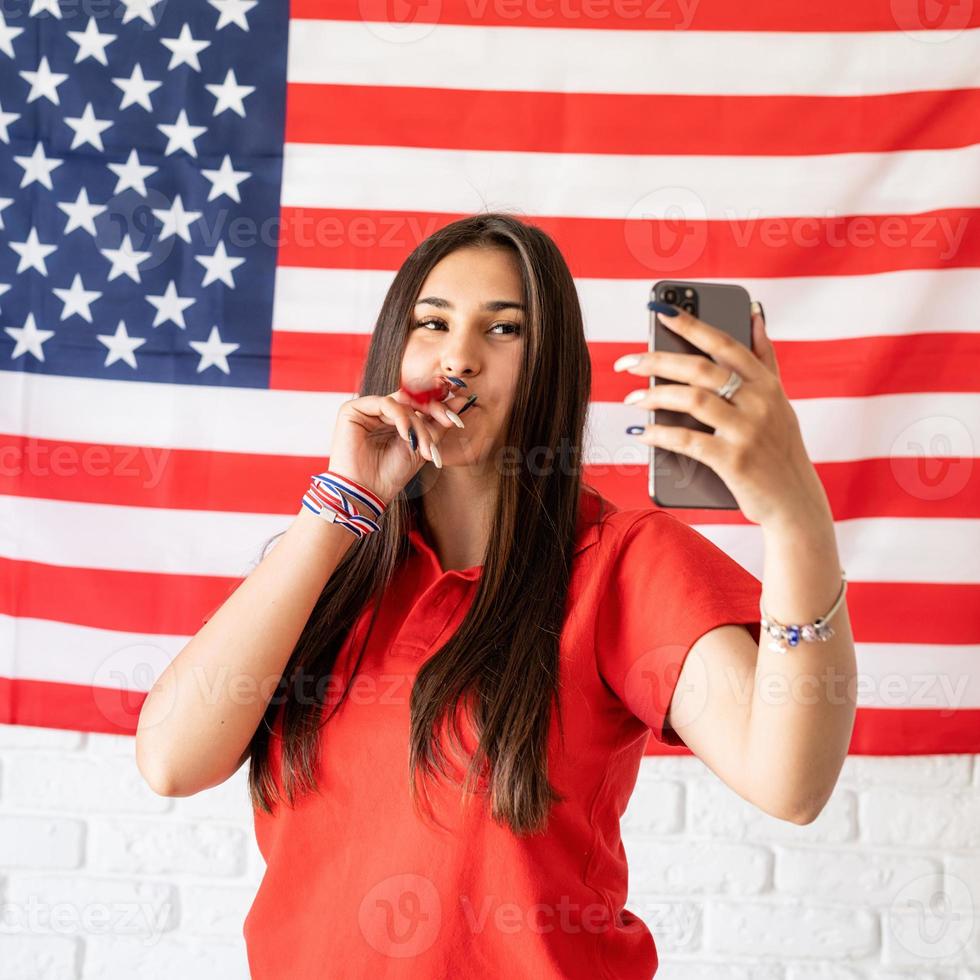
(38, 167)
(132, 174)
(87, 128)
(29, 338)
(4, 287)
(139, 8)
(32, 253)
(51, 6)
(170, 306)
(6, 118)
(176, 221)
(232, 12)
(5, 202)
(219, 266)
(124, 260)
(44, 82)
(7, 34)
(225, 180)
(81, 213)
(230, 95)
(77, 299)
(91, 44)
(214, 351)
(181, 135)
(121, 346)
(184, 49)
(136, 89)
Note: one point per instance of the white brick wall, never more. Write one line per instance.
(100, 879)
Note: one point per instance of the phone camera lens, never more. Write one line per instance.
(689, 307)
(670, 295)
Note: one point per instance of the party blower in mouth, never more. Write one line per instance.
(440, 388)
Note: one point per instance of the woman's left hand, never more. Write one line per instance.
(757, 447)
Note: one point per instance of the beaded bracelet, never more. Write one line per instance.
(782, 634)
(329, 497)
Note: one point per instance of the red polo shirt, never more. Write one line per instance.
(359, 885)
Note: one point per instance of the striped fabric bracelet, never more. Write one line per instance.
(329, 497)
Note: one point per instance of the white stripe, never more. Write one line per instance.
(876, 549)
(662, 62)
(70, 654)
(137, 539)
(803, 308)
(835, 430)
(899, 675)
(226, 543)
(888, 676)
(626, 187)
(249, 420)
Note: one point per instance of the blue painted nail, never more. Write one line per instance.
(635, 430)
(459, 382)
(468, 405)
(413, 439)
(663, 308)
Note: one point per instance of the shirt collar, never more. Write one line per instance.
(587, 534)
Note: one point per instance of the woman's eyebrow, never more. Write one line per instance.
(492, 306)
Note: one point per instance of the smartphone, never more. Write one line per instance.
(677, 480)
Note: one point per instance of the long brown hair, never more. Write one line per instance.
(503, 659)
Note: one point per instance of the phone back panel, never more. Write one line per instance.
(677, 480)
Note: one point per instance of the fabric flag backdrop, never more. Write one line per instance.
(202, 204)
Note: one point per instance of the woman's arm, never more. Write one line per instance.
(803, 701)
(197, 721)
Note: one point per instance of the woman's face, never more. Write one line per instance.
(468, 322)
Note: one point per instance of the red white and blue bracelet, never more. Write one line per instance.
(818, 631)
(330, 497)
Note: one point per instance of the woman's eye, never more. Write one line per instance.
(513, 328)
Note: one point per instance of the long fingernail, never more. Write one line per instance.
(459, 382)
(626, 361)
(468, 405)
(757, 308)
(436, 458)
(664, 308)
(455, 419)
(413, 439)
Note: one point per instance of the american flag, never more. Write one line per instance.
(203, 204)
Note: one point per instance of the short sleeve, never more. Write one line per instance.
(667, 585)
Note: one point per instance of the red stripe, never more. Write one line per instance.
(174, 605)
(877, 731)
(131, 602)
(76, 707)
(895, 731)
(613, 248)
(914, 487)
(841, 368)
(652, 15)
(588, 122)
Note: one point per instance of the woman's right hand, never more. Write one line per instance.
(371, 439)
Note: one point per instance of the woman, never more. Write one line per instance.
(469, 652)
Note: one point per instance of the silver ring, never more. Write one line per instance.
(729, 388)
